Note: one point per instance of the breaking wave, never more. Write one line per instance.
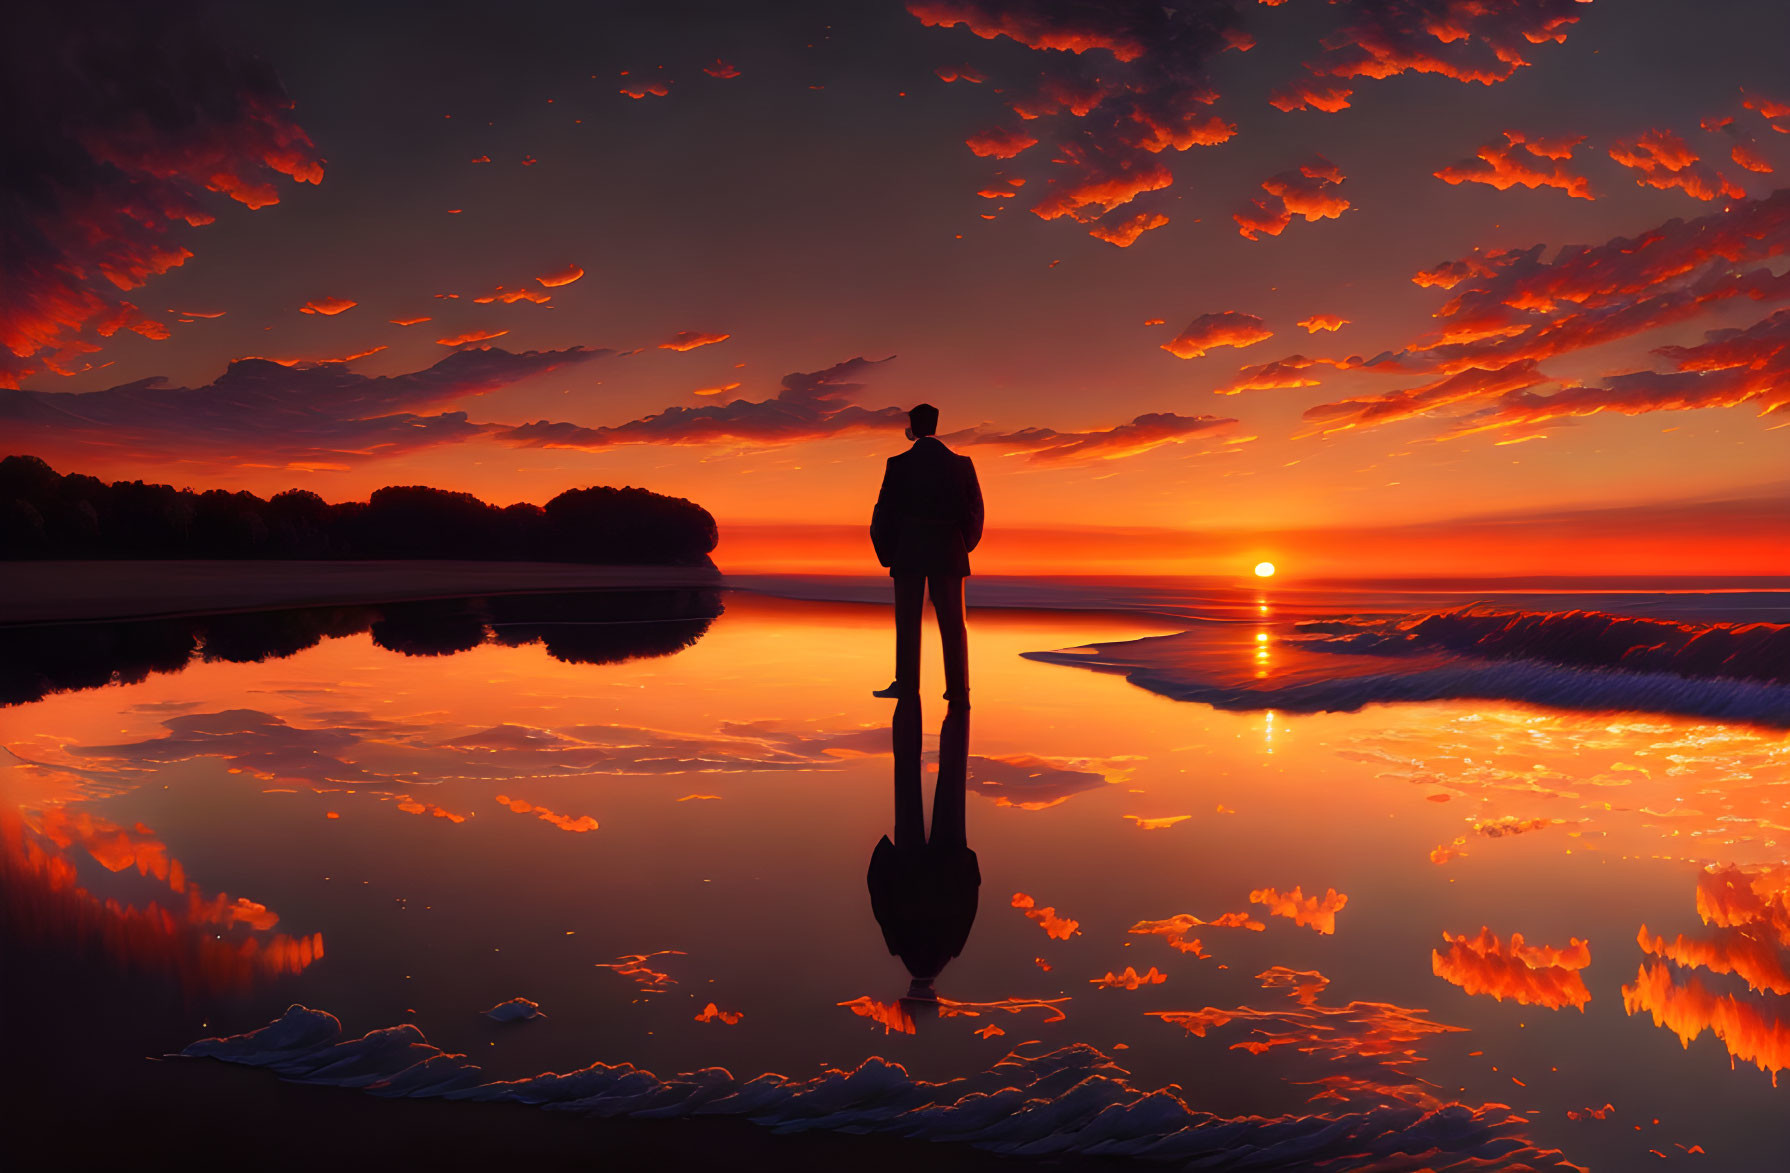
(1582, 660)
(1588, 689)
(1582, 639)
(1074, 1100)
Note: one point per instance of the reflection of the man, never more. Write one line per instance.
(923, 886)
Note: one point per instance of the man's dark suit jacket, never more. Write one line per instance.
(928, 516)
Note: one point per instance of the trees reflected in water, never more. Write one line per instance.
(587, 627)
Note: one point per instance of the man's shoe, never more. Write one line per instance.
(895, 691)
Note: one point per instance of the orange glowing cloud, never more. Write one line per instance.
(328, 413)
(1209, 331)
(1176, 929)
(1514, 161)
(691, 339)
(471, 336)
(327, 306)
(1664, 160)
(1732, 368)
(1107, 128)
(808, 405)
(1052, 1007)
(1157, 824)
(560, 277)
(207, 942)
(1749, 954)
(1125, 233)
(720, 69)
(1307, 94)
(1091, 187)
(999, 142)
(1331, 322)
(1688, 1008)
(1731, 897)
(1768, 108)
(1513, 308)
(1055, 927)
(1388, 407)
(1309, 191)
(413, 807)
(722, 389)
(891, 1016)
(1283, 373)
(657, 89)
(311, 361)
(124, 183)
(563, 822)
(1531, 975)
(511, 296)
(1032, 783)
(1146, 432)
(410, 321)
(1073, 32)
(1316, 912)
(1747, 156)
(634, 967)
(1484, 43)
(1130, 979)
(713, 1013)
(1378, 1041)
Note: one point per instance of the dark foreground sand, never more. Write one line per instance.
(50, 592)
(83, 1086)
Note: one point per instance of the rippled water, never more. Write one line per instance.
(658, 829)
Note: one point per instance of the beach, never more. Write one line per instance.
(404, 817)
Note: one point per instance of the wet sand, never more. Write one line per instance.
(183, 1114)
(60, 592)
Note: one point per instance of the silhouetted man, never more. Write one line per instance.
(928, 518)
(924, 887)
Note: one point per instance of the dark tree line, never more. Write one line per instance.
(44, 514)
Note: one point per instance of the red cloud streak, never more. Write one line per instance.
(1532, 975)
(121, 181)
(1309, 191)
(1209, 331)
(1517, 160)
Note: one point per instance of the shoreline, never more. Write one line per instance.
(102, 590)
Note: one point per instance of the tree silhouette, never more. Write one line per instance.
(44, 514)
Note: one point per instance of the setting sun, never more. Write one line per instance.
(1264, 569)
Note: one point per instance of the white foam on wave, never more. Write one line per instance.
(1527, 682)
(1074, 1100)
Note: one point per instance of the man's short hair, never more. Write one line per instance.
(924, 419)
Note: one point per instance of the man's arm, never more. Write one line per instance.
(972, 506)
(882, 518)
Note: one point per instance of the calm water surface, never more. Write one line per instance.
(668, 854)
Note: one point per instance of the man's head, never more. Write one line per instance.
(922, 421)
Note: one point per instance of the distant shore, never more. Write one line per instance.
(74, 591)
